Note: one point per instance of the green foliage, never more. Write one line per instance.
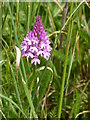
(21, 96)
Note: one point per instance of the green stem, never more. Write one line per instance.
(85, 22)
(28, 94)
(70, 66)
(28, 17)
(52, 21)
(32, 83)
(10, 32)
(4, 21)
(17, 14)
(65, 66)
(1, 38)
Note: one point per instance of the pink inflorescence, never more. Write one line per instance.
(36, 43)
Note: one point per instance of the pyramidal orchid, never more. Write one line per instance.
(36, 43)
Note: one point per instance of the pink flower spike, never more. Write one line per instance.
(36, 43)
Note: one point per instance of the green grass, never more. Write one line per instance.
(63, 87)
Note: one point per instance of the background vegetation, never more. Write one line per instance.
(55, 88)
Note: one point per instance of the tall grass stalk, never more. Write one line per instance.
(17, 15)
(85, 22)
(4, 21)
(1, 38)
(24, 72)
(10, 32)
(52, 21)
(28, 17)
(65, 66)
(72, 14)
(70, 66)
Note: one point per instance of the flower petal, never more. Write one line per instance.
(35, 61)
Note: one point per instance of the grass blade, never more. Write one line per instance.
(11, 101)
(65, 66)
